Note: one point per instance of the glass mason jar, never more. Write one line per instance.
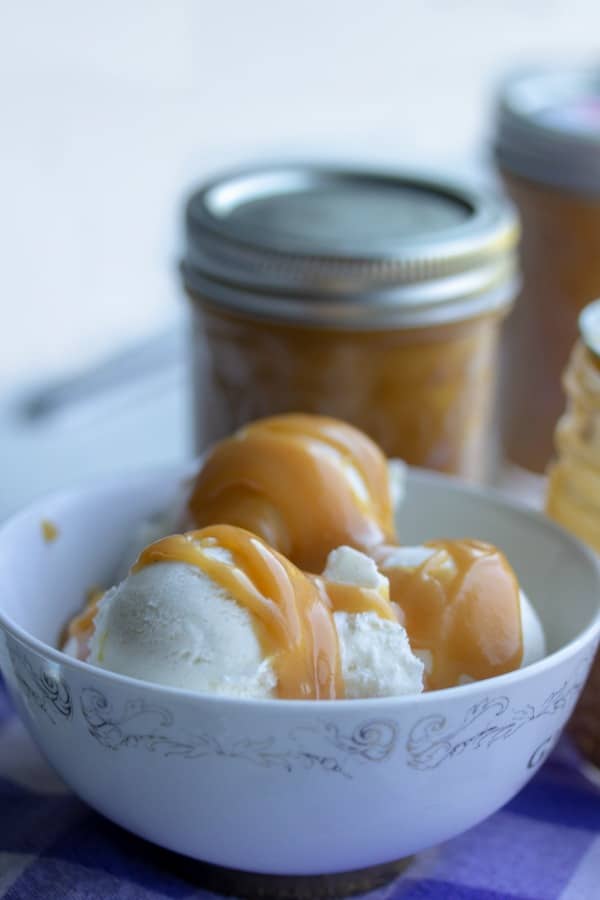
(573, 490)
(374, 298)
(548, 151)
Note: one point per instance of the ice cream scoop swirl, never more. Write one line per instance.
(305, 484)
(292, 612)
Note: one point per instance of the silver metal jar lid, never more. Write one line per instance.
(349, 249)
(548, 127)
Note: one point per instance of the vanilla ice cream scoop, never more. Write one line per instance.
(274, 477)
(377, 660)
(219, 611)
(177, 518)
(306, 484)
(463, 609)
(170, 623)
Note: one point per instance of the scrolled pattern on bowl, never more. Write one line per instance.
(48, 692)
(432, 741)
(151, 727)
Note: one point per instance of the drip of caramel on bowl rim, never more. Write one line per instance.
(305, 484)
(292, 612)
(49, 530)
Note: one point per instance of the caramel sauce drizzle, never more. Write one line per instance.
(298, 486)
(462, 605)
(81, 626)
(277, 479)
(292, 612)
(305, 484)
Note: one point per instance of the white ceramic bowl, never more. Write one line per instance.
(288, 787)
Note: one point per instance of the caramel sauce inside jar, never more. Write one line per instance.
(462, 606)
(423, 394)
(305, 484)
(292, 612)
(560, 260)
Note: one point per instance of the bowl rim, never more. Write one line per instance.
(183, 471)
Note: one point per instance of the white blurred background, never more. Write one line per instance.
(111, 111)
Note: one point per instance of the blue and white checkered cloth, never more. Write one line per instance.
(544, 844)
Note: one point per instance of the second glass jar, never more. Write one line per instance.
(548, 151)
